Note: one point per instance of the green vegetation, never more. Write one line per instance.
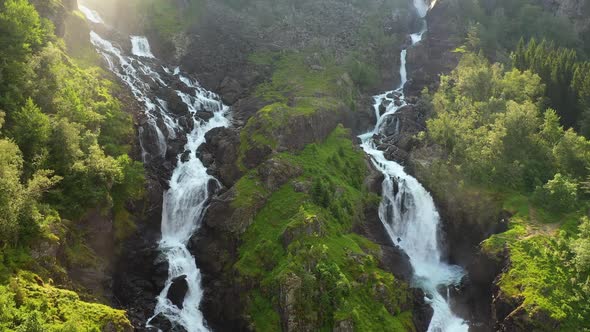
(548, 268)
(491, 124)
(300, 256)
(294, 90)
(567, 79)
(498, 138)
(297, 90)
(29, 304)
(64, 144)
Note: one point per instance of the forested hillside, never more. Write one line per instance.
(64, 147)
(507, 132)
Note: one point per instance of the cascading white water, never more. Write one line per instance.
(184, 203)
(409, 214)
(90, 14)
(141, 47)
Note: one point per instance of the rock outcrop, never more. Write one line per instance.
(433, 55)
(177, 291)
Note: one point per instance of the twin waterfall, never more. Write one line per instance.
(407, 209)
(185, 201)
(409, 215)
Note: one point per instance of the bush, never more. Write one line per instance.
(581, 246)
(558, 195)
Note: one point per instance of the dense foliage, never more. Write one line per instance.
(64, 145)
(496, 135)
(566, 76)
(492, 125)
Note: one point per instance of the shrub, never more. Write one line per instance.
(558, 195)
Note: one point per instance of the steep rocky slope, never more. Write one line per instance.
(291, 82)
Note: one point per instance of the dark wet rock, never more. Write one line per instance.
(422, 311)
(220, 154)
(177, 291)
(205, 116)
(245, 108)
(149, 136)
(163, 323)
(397, 135)
(256, 155)
(178, 85)
(186, 155)
(186, 123)
(174, 103)
(175, 148)
(477, 284)
(213, 187)
(138, 280)
(390, 125)
(215, 250)
(393, 152)
(383, 106)
(374, 181)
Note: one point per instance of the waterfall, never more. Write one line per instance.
(185, 202)
(140, 47)
(409, 214)
(90, 14)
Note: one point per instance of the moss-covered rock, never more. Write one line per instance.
(28, 300)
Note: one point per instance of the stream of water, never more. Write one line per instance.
(185, 202)
(409, 214)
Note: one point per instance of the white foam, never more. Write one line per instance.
(91, 15)
(141, 47)
(409, 214)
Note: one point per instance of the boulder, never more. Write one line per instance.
(276, 172)
(174, 103)
(205, 116)
(307, 227)
(178, 290)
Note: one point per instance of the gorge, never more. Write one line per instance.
(221, 165)
(409, 213)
